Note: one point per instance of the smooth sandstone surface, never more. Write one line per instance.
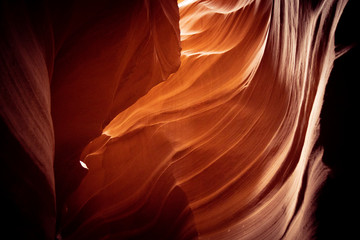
(163, 119)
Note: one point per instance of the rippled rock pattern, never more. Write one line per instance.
(161, 119)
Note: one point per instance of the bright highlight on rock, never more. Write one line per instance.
(191, 119)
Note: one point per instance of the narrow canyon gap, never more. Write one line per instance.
(161, 119)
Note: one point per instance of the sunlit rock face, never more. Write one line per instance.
(108, 57)
(67, 68)
(119, 141)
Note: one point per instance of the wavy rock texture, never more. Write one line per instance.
(115, 53)
(221, 147)
(66, 70)
(27, 147)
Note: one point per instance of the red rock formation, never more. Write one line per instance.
(27, 148)
(114, 54)
(95, 105)
(86, 61)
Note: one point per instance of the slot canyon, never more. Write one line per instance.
(165, 119)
